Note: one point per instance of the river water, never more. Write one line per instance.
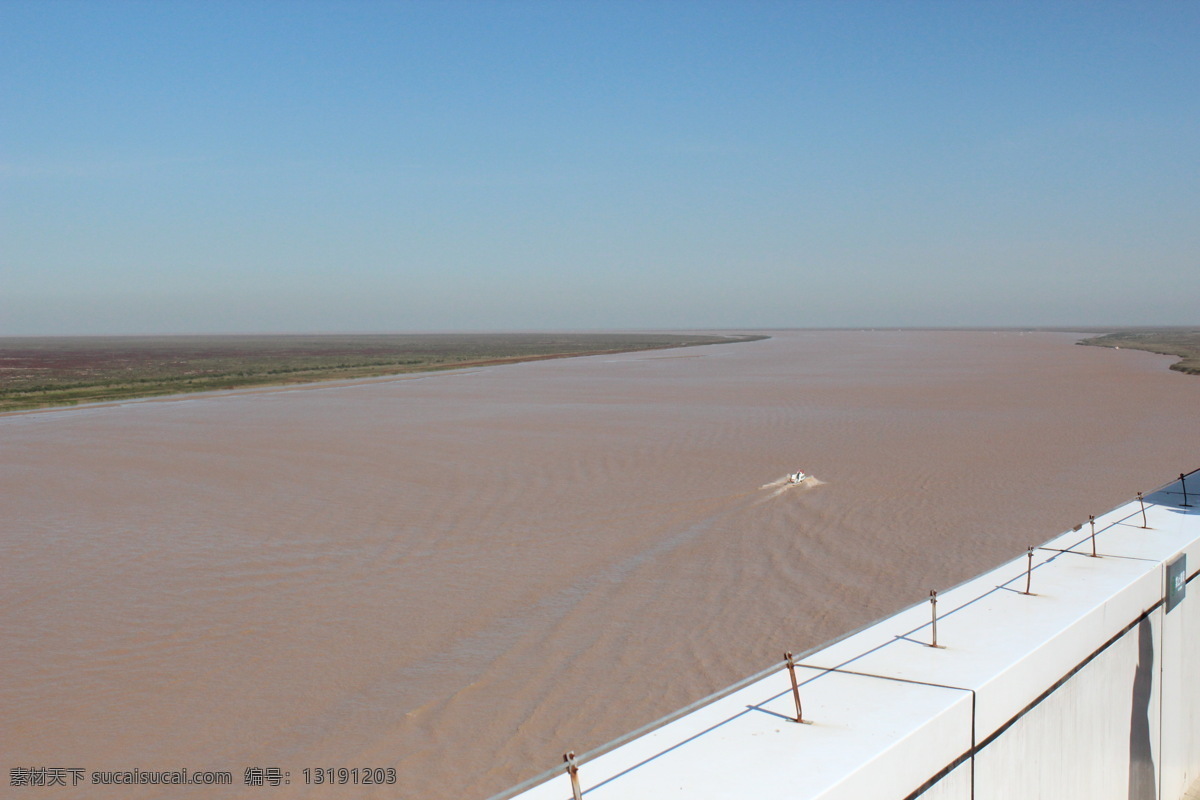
(463, 575)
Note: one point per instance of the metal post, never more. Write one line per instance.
(1092, 519)
(791, 665)
(573, 771)
(1142, 500)
(1183, 483)
(933, 609)
(1029, 571)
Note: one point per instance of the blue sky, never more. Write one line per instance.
(174, 167)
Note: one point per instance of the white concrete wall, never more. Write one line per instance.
(1179, 764)
(1087, 688)
(955, 786)
(1076, 742)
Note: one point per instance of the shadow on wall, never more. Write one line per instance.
(1141, 760)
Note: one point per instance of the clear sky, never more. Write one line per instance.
(175, 167)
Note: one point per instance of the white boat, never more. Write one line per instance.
(796, 477)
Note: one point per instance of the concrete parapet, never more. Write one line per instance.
(1086, 687)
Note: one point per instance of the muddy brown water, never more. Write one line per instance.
(463, 575)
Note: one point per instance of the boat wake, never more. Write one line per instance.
(789, 483)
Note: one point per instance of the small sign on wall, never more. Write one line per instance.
(1176, 581)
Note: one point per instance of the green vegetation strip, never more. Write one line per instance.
(44, 372)
(1182, 342)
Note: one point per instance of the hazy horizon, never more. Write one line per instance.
(258, 168)
(1082, 329)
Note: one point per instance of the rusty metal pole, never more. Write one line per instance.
(1183, 483)
(1029, 571)
(1142, 500)
(573, 771)
(933, 609)
(791, 665)
(1092, 520)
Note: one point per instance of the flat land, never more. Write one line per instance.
(1182, 342)
(57, 371)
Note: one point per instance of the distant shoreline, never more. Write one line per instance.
(46, 373)
(1181, 342)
